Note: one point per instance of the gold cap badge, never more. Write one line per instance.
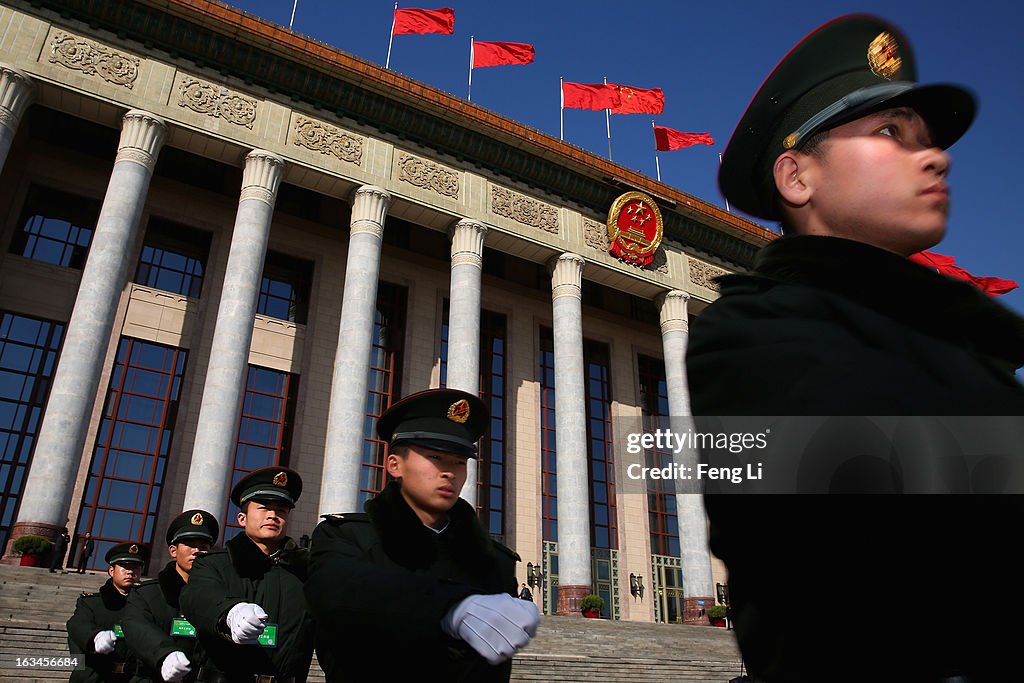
(459, 411)
(134, 549)
(883, 56)
(197, 519)
(280, 479)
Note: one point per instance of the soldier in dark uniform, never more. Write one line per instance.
(416, 585)
(847, 151)
(94, 630)
(246, 601)
(154, 626)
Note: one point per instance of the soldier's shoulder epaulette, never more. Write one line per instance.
(337, 518)
(87, 594)
(508, 551)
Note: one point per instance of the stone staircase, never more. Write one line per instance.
(35, 604)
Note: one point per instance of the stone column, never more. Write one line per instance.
(698, 584)
(464, 321)
(574, 579)
(209, 474)
(61, 439)
(339, 489)
(15, 96)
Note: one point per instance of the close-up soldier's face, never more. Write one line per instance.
(265, 520)
(184, 553)
(877, 179)
(124, 575)
(431, 480)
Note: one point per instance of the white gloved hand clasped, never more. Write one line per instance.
(496, 626)
(103, 642)
(246, 621)
(175, 666)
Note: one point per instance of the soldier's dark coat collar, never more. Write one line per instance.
(171, 584)
(252, 563)
(412, 545)
(895, 287)
(112, 598)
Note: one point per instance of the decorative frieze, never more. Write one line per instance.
(217, 101)
(523, 210)
(93, 59)
(428, 175)
(595, 235)
(702, 274)
(328, 140)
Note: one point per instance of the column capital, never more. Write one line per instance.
(15, 95)
(567, 275)
(672, 309)
(467, 236)
(142, 135)
(369, 207)
(262, 176)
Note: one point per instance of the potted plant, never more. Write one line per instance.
(33, 549)
(716, 615)
(591, 606)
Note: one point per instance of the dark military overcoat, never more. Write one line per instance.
(95, 612)
(148, 617)
(380, 582)
(862, 587)
(241, 572)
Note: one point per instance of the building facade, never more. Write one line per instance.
(226, 246)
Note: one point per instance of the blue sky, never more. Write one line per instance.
(710, 58)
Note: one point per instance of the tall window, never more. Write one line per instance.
(28, 356)
(264, 431)
(56, 227)
(490, 482)
(599, 437)
(548, 461)
(384, 383)
(173, 258)
(130, 457)
(661, 495)
(284, 290)
(599, 434)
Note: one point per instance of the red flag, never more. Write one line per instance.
(666, 139)
(424, 21)
(496, 54)
(638, 100)
(595, 96)
(993, 286)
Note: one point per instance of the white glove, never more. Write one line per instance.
(493, 625)
(103, 642)
(175, 667)
(246, 621)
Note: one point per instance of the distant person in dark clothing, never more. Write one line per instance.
(60, 546)
(85, 547)
(525, 594)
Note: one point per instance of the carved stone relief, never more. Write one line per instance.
(595, 235)
(217, 101)
(701, 274)
(93, 59)
(326, 139)
(428, 175)
(523, 210)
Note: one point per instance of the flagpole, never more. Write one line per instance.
(469, 95)
(391, 38)
(657, 163)
(725, 198)
(561, 109)
(292, 21)
(608, 125)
